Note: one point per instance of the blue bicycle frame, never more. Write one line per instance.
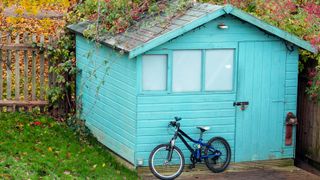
(197, 154)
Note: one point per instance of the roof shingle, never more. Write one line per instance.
(150, 28)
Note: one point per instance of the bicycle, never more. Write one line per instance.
(170, 159)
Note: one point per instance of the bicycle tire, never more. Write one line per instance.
(210, 162)
(153, 168)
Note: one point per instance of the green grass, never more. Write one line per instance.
(52, 151)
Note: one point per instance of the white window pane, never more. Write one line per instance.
(186, 72)
(154, 72)
(219, 70)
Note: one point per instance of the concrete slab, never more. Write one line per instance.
(247, 171)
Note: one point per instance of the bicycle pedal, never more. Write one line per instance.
(191, 166)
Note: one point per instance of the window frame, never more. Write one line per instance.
(203, 48)
(140, 79)
(201, 75)
(233, 71)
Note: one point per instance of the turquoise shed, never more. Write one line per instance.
(195, 66)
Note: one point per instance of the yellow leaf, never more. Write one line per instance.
(49, 149)
(19, 11)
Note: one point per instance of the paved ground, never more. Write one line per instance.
(250, 173)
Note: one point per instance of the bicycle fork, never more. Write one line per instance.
(172, 143)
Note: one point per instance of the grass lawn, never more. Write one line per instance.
(38, 147)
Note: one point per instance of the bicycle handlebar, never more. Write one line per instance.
(175, 123)
(177, 118)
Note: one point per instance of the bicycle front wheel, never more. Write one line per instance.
(215, 163)
(161, 167)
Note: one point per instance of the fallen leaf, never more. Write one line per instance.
(68, 155)
(50, 149)
(67, 172)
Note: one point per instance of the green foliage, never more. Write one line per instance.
(314, 85)
(313, 74)
(37, 147)
(115, 16)
(62, 56)
(78, 126)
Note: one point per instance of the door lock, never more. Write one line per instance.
(243, 105)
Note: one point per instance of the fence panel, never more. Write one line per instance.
(308, 132)
(24, 72)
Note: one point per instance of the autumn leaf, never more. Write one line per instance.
(67, 172)
(68, 155)
(49, 149)
(19, 11)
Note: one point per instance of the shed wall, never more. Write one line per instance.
(154, 111)
(106, 88)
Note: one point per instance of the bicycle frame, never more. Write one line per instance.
(181, 134)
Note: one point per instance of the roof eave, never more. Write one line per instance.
(75, 28)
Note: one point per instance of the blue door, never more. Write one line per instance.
(261, 82)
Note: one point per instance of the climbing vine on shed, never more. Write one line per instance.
(109, 16)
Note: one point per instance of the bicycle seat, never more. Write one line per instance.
(203, 128)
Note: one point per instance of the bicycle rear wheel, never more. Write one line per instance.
(218, 163)
(161, 167)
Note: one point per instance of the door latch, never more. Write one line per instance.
(243, 105)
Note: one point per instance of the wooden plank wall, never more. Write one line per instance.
(24, 72)
(308, 129)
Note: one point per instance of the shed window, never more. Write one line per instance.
(219, 70)
(186, 71)
(154, 72)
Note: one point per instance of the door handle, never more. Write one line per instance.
(243, 105)
(240, 103)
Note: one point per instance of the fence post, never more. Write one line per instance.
(33, 90)
(8, 68)
(42, 72)
(25, 61)
(17, 75)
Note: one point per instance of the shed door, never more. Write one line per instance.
(261, 82)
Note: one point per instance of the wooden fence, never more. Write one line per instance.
(308, 129)
(24, 71)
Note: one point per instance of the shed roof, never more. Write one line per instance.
(158, 30)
